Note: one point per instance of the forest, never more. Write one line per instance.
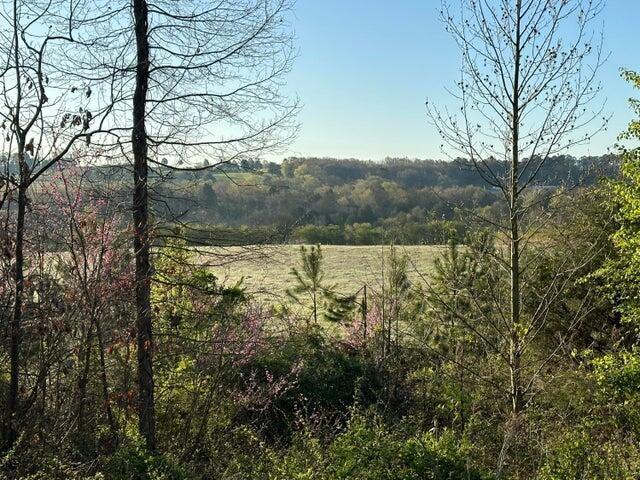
(136, 168)
(341, 202)
(351, 202)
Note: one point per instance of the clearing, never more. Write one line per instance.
(266, 269)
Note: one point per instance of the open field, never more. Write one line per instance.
(266, 270)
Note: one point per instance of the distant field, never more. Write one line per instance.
(266, 270)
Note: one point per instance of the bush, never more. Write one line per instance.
(323, 234)
(363, 234)
(581, 455)
(131, 462)
(368, 450)
(327, 379)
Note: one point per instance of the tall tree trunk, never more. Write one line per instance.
(13, 413)
(146, 414)
(517, 403)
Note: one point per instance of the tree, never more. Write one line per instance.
(310, 280)
(623, 272)
(524, 91)
(80, 234)
(207, 81)
(617, 369)
(48, 109)
(397, 301)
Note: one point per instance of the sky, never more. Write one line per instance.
(366, 67)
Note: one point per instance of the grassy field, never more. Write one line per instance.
(266, 270)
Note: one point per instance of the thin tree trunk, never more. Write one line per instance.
(514, 340)
(146, 414)
(13, 414)
(364, 314)
(105, 385)
(83, 381)
(315, 308)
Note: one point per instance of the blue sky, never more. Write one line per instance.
(366, 67)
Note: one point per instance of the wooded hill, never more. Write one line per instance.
(346, 201)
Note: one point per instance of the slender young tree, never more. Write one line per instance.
(46, 110)
(82, 231)
(527, 79)
(310, 280)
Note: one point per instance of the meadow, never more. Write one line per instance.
(266, 270)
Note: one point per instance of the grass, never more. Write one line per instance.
(266, 270)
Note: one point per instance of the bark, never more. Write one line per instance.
(13, 413)
(15, 328)
(146, 413)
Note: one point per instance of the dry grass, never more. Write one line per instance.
(266, 270)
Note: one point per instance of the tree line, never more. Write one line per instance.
(352, 202)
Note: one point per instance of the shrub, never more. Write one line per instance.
(327, 378)
(132, 462)
(581, 455)
(367, 450)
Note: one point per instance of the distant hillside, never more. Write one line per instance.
(342, 201)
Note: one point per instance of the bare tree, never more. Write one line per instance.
(528, 76)
(45, 112)
(207, 83)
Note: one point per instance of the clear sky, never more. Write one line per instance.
(366, 67)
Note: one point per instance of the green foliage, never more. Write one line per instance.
(129, 461)
(410, 202)
(459, 296)
(309, 289)
(623, 272)
(340, 309)
(202, 232)
(132, 462)
(402, 229)
(617, 376)
(400, 301)
(311, 276)
(618, 371)
(363, 234)
(311, 292)
(349, 201)
(605, 444)
(367, 450)
(305, 459)
(323, 234)
(579, 455)
(328, 379)
(38, 462)
(181, 290)
(204, 331)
